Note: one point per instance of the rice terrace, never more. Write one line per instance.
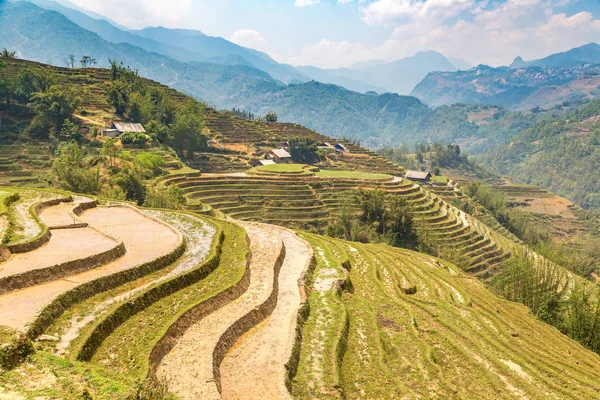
(155, 246)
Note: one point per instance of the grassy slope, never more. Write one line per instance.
(450, 339)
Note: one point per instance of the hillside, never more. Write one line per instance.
(215, 296)
(50, 37)
(144, 312)
(559, 154)
(521, 89)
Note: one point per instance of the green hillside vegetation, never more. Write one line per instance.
(200, 253)
(560, 155)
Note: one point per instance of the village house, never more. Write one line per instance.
(341, 148)
(259, 163)
(279, 156)
(326, 146)
(418, 176)
(119, 128)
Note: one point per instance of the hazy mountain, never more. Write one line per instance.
(107, 31)
(399, 76)
(367, 64)
(460, 64)
(518, 62)
(324, 76)
(48, 36)
(587, 54)
(212, 47)
(524, 89)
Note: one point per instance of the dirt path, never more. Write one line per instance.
(144, 239)
(255, 367)
(188, 368)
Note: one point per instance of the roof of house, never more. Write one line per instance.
(326, 145)
(340, 146)
(281, 153)
(417, 175)
(266, 162)
(129, 127)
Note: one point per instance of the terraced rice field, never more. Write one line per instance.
(390, 323)
(24, 162)
(308, 202)
(243, 310)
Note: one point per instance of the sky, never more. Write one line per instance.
(339, 33)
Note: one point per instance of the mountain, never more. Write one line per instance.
(111, 33)
(399, 76)
(560, 154)
(520, 89)
(181, 44)
(460, 64)
(216, 47)
(324, 76)
(587, 54)
(367, 64)
(518, 62)
(44, 35)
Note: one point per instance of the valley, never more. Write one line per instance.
(156, 246)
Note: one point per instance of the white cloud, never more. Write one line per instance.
(305, 3)
(249, 38)
(477, 31)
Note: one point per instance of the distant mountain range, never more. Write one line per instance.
(587, 54)
(225, 76)
(399, 76)
(568, 76)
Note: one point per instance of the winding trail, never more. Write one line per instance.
(145, 239)
(188, 368)
(255, 367)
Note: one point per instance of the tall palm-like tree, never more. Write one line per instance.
(6, 54)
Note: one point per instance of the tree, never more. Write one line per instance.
(52, 108)
(69, 130)
(72, 172)
(85, 61)
(32, 81)
(271, 116)
(131, 182)
(7, 55)
(186, 132)
(150, 162)
(71, 60)
(110, 150)
(304, 150)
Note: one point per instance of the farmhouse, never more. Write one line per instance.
(278, 156)
(121, 127)
(418, 176)
(326, 146)
(341, 148)
(258, 163)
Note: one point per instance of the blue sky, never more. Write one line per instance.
(338, 33)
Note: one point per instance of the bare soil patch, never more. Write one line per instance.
(64, 245)
(188, 368)
(255, 367)
(144, 239)
(555, 205)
